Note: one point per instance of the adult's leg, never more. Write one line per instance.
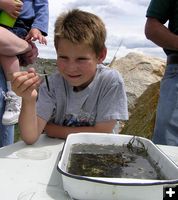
(166, 127)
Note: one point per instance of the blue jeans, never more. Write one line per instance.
(20, 32)
(6, 132)
(166, 127)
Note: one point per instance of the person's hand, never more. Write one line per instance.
(35, 34)
(12, 7)
(30, 56)
(25, 84)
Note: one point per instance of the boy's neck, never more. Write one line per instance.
(83, 86)
(79, 88)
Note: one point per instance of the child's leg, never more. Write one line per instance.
(11, 45)
(9, 65)
(13, 102)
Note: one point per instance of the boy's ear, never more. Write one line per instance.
(102, 55)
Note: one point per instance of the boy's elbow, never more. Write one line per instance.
(29, 140)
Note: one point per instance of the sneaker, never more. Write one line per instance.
(12, 108)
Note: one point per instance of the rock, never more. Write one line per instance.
(142, 118)
(142, 75)
(139, 71)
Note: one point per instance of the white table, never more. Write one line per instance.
(29, 172)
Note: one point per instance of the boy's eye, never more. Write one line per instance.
(62, 57)
(82, 59)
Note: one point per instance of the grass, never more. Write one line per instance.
(16, 133)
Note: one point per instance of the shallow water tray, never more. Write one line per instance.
(111, 188)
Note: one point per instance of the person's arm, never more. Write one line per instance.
(58, 131)
(30, 125)
(11, 45)
(39, 28)
(24, 84)
(35, 34)
(41, 20)
(160, 34)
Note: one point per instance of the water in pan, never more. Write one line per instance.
(112, 161)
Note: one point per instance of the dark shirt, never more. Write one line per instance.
(165, 11)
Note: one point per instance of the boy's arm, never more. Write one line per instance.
(58, 131)
(25, 84)
(31, 126)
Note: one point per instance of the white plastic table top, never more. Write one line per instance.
(29, 172)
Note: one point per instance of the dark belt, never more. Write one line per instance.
(172, 59)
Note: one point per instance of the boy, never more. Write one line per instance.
(31, 25)
(84, 96)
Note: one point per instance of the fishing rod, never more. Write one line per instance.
(114, 57)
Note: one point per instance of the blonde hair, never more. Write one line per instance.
(81, 27)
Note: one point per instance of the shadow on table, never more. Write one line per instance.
(44, 140)
(55, 187)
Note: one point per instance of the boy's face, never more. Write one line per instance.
(77, 63)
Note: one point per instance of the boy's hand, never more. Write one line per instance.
(35, 34)
(25, 83)
(12, 7)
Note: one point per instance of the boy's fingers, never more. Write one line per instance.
(35, 85)
(23, 83)
(17, 74)
(21, 78)
(30, 89)
(20, 75)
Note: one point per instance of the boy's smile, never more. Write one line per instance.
(76, 63)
